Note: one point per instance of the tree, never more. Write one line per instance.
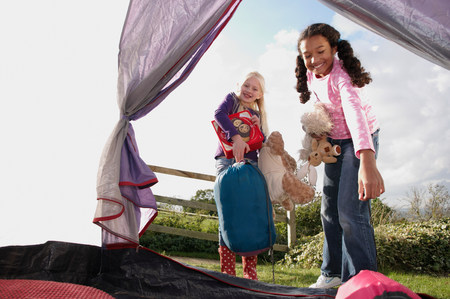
(381, 213)
(416, 197)
(205, 196)
(432, 202)
(438, 204)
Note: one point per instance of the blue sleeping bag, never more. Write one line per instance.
(244, 209)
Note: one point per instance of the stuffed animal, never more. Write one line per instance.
(316, 123)
(323, 151)
(279, 168)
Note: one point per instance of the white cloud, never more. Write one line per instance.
(440, 79)
(345, 26)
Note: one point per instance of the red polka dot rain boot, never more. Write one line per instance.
(227, 261)
(249, 267)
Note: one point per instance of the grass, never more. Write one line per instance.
(436, 286)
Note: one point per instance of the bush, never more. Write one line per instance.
(308, 221)
(281, 230)
(204, 196)
(170, 243)
(381, 213)
(308, 254)
(422, 247)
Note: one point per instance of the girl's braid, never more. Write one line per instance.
(302, 85)
(352, 65)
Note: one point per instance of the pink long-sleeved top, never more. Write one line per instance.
(353, 117)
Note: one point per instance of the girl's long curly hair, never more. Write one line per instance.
(351, 64)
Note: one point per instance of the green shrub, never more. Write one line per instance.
(308, 254)
(308, 221)
(381, 213)
(204, 196)
(281, 229)
(422, 247)
(170, 243)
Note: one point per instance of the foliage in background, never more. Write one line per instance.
(422, 247)
(205, 196)
(307, 217)
(171, 243)
(161, 242)
(308, 223)
(382, 213)
(308, 220)
(432, 202)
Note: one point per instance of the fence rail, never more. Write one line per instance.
(289, 218)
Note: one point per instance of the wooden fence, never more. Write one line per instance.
(289, 218)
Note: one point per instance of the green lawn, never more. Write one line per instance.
(436, 286)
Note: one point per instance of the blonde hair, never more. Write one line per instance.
(258, 105)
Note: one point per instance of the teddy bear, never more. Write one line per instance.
(323, 151)
(279, 168)
(316, 123)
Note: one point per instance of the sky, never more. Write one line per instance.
(58, 79)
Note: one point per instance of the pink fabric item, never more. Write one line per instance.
(369, 284)
(352, 115)
(40, 289)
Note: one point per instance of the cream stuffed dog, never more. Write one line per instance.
(279, 169)
(318, 123)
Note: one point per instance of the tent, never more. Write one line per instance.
(124, 273)
(155, 59)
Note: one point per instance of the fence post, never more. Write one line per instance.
(291, 232)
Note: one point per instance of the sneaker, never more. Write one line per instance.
(324, 282)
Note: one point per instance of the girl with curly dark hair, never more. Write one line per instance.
(350, 183)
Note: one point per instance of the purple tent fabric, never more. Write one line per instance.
(161, 42)
(422, 27)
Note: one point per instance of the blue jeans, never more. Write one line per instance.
(349, 243)
(222, 164)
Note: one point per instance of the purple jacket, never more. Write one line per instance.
(229, 106)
